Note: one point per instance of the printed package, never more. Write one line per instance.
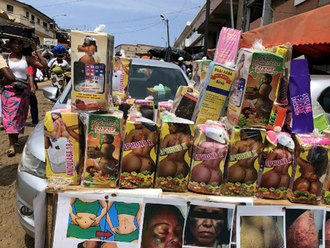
(227, 47)
(208, 160)
(246, 146)
(120, 77)
(254, 88)
(276, 164)
(146, 108)
(63, 134)
(309, 174)
(91, 55)
(124, 106)
(176, 141)
(139, 157)
(103, 144)
(163, 106)
(199, 71)
(179, 94)
(185, 108)
(214, 93)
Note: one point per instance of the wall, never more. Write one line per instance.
(288, 9)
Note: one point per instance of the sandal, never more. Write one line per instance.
(11, 152)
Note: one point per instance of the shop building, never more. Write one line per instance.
(134, 51)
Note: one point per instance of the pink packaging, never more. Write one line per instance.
(227, 47)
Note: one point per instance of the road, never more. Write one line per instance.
(12, 234)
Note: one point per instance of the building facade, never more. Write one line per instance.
(134, 51)
(28, 16)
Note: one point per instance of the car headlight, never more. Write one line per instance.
(29, 163)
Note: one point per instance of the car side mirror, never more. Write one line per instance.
(50, 93)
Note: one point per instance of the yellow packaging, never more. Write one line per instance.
(120, 77)
(214, 93)
(103, 145)
(91, 71)
(146, 108)
(139, 158)
(200, 68)
(179, 94)
(64, 156)
(309, 174)
(276, 163)
(163, 106)
(209, 157)
(246, 146)
(176, 143)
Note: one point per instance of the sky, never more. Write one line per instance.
(130, 21)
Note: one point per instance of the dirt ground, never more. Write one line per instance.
(12, 234)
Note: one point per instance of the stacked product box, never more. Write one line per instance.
(120, 77)
(91, 55)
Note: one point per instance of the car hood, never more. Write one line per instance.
(36, 143)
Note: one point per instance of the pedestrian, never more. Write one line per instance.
(182, 65)
(15, 101)
(31, 73)
(58, 67)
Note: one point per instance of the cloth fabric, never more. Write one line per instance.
(87, 207)
(19, 68)
(124, 208)
(80, 233)
(127, 237)
(34, 109)
(15, 106)
(3, 63)
(53, 62)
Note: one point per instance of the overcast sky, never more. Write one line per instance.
(130, 21)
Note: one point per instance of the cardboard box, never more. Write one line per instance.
(309, 174)
(276, 165)
(214, 93)
(120, 77)
(254, 88)
(176, 137)
(163, 106)
(146, 108)
(246, 146)
(91, 56)
(139, 159)
(208, 160)
(200, 68)
(63, 148)
(103, 145)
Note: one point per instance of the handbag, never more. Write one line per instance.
(20, 84)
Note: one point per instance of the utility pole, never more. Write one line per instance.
(168, 33)
(239, 24)
(206, 32)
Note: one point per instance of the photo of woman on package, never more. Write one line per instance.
(124, 220)
(243, 170)
(174, 164)
(85, 217)
(139, 159)
(90, 48)
(207, 227)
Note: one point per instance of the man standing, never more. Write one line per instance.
(182, 65)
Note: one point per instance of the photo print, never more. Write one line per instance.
(208, 224)
(305, 226)
(113, 221)
(260, 227)
(163, 223)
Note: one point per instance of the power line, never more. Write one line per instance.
(56, 4)
(180, 10)
(138, 30)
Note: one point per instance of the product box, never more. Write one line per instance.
(139, 158)
(146, 108)
(120, 76)
(214, 93)
(227, 46)
(176, 143)
(124, 106)
(254, 88)
(246, 146)
(103, 144)
(63, 134)
(180, 93)
(186, 106)
(199, 71)
(91, 71)
(208, 160)
(276, 164)
(309, 174)
(163, 106)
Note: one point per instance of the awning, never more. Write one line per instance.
(308, 33)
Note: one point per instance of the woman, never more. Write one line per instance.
(85, 221)
(15, 103)
(107, 164)
(243, 171)
(139, 159)
(58, 66)
(174, 164)
(127, 214)
(90, 48)
(311, 171)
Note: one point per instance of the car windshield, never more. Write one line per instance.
(161, 83)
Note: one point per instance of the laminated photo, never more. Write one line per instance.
(90, 217)
(208, 224)
(305, 226)
(260, 227)
(163, 222)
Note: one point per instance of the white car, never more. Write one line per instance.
(31, 176)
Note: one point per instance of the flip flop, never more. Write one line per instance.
(11, 152)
